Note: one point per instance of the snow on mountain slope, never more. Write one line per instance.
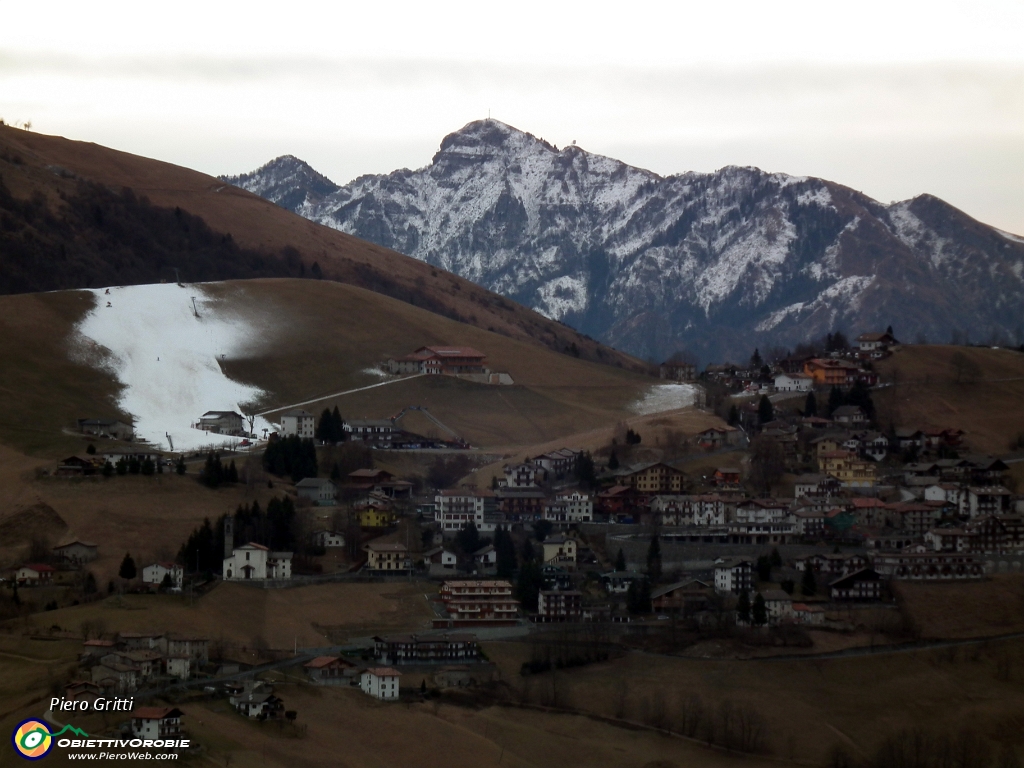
(166, 358)
(716, 263)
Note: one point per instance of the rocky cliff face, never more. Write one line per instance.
(716, 264)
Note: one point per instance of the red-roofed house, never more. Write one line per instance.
(34, 574)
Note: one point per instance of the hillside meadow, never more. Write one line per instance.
(976, 389)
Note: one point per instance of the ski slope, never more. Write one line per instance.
(167, 359)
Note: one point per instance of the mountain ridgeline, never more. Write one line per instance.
(712, 263)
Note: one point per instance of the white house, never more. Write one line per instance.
(486, 556)
(949, 493)
(298, 423)
(156, 722)
(380, 682)
(328, 539)
(569, 509)
(179, 667)
(454, 510)
(319, 490)
(255, 562)
(779, 605)
(793, 382)
(732, 575)
(154, 574)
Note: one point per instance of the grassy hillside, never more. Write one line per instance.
(975, 389)
(320, 336)
(79, 185)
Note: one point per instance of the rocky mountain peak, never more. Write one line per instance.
(714, 263)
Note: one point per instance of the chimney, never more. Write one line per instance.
(229, 536)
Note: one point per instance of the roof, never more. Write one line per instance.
(313, 482)
(386, 546)
(848, 410)
(864, 574)
(39, 567)
(72, 543)
(453, 351)
(99, 643)
(254, 545)
(325, 661)
(221, 414)
(662, 591)
(369, 473)
(155, 713)
(297, 412)
(776, 594)
(384, 672)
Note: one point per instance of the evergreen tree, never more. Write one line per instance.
(810, 405)
(638, 598)
(166, 582)
(613, 461)
(90, 449)
(231, 475)
(337, 425)
(542, 529)
(325, 427)
(127, 569)
(336, 473)
(755, 359)
(134, 465)
(505, 550)
(654, 560)
(765, 410)
(620, 561)
(90, 584)
(860, 395)
(529, 584)
(808, 585)
(764, 568)
(180, 467)
(835, 399)
(213, 471)
(584, 470)
(122, 466)
(759, 611)
(734, 415)
(527, 553)
(148, 467)
(468, 539)
(15, 597)
(775, 558)
(743, 607)
(108, 469)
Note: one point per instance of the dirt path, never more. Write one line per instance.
(339, 394)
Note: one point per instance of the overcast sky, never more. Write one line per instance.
(891, 98)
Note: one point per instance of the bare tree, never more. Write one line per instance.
(767, 463)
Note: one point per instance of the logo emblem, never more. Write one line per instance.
(32, 739)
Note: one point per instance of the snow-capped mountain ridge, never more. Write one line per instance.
(713, 262)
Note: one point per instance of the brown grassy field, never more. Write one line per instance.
(986, 403)
(241, 616)
(809, 705)
(150, 517)
(994, 606)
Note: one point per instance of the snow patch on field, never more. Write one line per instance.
(167, 359)
(665, 397)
